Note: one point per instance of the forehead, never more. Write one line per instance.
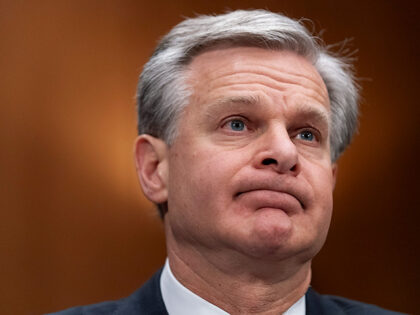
(238, 70)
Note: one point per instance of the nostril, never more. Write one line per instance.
(269, 161)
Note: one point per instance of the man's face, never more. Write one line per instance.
(250, 169)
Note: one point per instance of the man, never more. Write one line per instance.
(242, 118)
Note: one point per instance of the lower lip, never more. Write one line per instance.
(269, 199)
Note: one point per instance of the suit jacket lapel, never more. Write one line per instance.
(317, 304)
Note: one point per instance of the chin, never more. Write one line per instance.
(277, 252)
(271, 240)
(279, 244)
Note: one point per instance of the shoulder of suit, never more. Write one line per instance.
(340, 305)
(146, 300)
(108, 307)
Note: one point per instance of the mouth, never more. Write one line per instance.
(270, 198)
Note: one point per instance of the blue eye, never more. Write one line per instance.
(237, 125)
(306, 135)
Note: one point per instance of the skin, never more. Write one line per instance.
(248, 179)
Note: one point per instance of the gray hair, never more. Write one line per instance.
(162, 92)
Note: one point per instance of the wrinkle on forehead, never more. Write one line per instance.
(277, 70)
(264, 82)
(273, 73)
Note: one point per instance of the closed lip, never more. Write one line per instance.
(293, 191)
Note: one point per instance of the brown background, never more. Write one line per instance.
(74, 226)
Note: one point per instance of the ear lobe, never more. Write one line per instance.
(152, 167)
(334, 173)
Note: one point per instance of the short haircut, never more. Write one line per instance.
(163, 92)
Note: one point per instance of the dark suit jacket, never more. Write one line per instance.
(148, 301)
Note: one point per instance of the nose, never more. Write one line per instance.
(277, 151)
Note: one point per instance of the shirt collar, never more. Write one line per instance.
(181, 301)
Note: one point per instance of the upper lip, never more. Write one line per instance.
(281, 185)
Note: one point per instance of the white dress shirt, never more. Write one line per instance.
(181, 301)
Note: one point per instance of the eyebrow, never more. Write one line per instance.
(232, 102)
(314, 113)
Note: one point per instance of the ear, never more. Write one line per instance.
(334, 168)
(152, 167)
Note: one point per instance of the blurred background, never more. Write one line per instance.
(74, 225)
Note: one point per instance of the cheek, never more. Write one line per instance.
(320, 178)
(200, 176)
(199, 191)
(322, 184)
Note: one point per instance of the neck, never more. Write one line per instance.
(239, 284)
